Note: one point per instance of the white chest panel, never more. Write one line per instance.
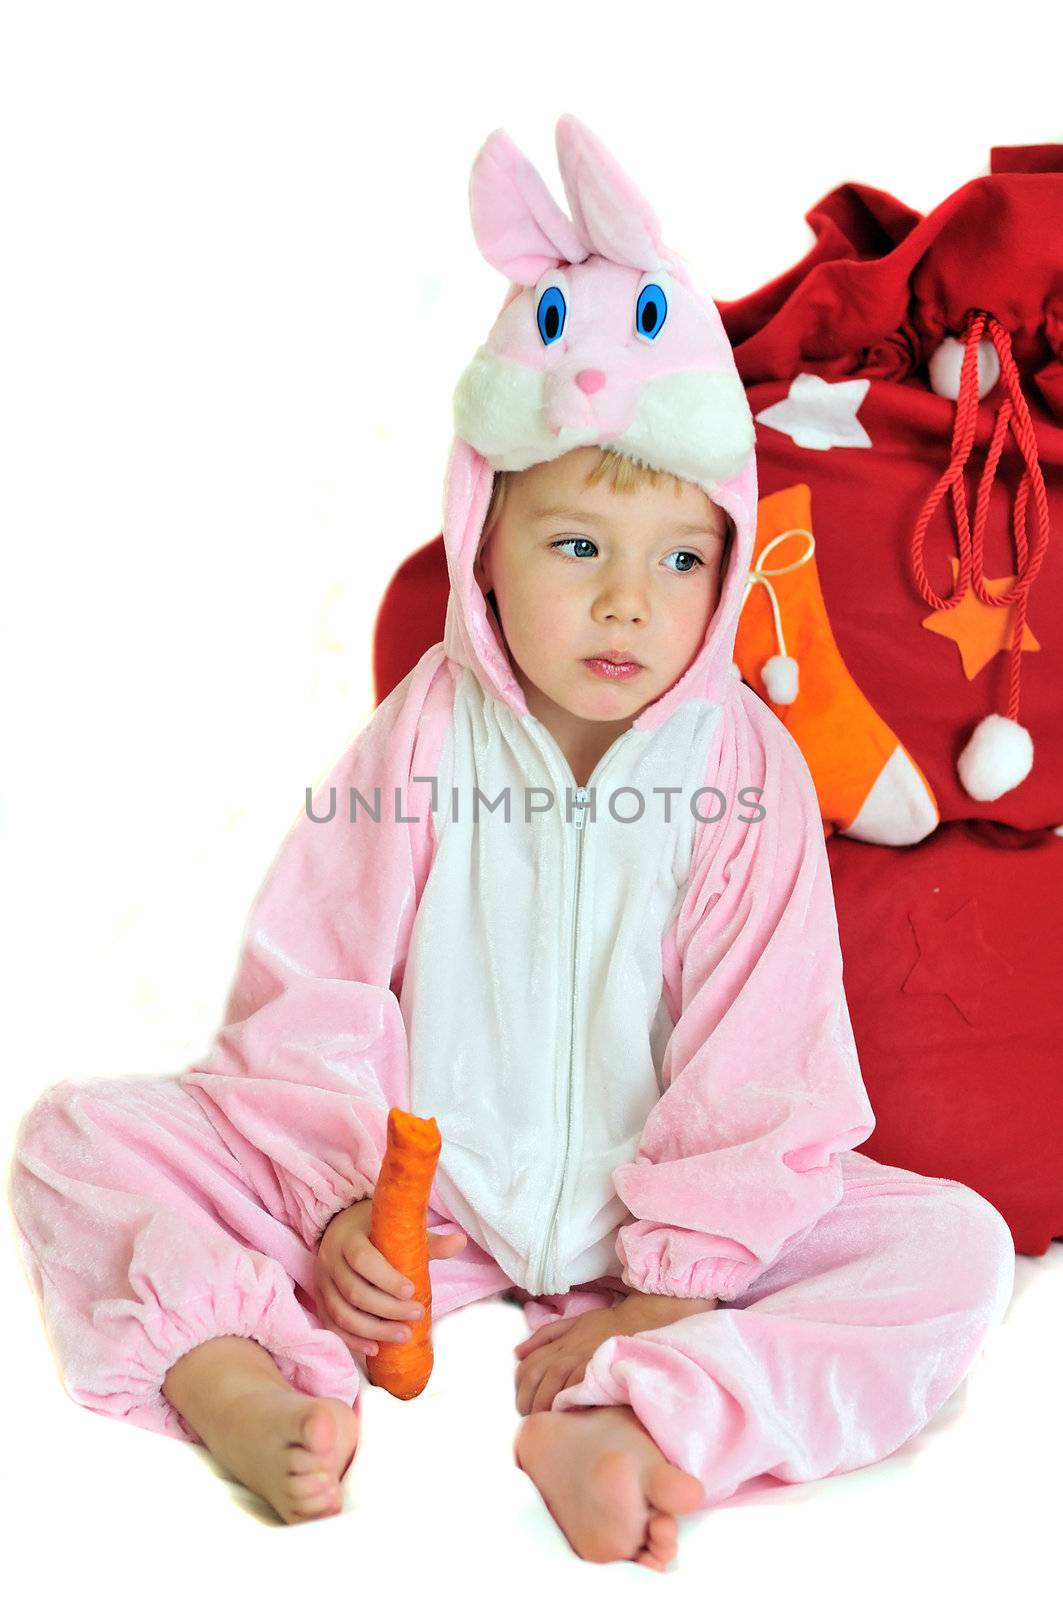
(532, 993)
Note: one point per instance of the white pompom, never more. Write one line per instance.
(780, 679)
(944, 365)
(996, 758)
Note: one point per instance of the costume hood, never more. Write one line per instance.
(602, 339)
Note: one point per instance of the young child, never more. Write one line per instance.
(567, 893)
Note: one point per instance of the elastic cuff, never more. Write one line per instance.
(150, 1339)
(720, 1279)
(318, 1213)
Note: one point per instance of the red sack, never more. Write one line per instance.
(951, 952)
(951, 945)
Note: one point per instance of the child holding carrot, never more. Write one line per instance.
(567, 893)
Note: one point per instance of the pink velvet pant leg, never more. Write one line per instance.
(143, 1237)
(843, 1349)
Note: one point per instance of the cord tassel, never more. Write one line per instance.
(998, 756)
(780, 673)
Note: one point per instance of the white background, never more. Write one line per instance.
(238, 286)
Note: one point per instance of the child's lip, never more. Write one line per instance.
(617, 670)
(617, 657)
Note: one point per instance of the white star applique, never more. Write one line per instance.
(818, 415)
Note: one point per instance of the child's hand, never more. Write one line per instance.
(555, 1356)
(357, 1291)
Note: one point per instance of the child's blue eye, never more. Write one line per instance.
(550, 314)
(651, 311)
(578, 539)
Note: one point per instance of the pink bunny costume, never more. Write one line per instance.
(622, 1002)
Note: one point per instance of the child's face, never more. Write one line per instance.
(602, 571)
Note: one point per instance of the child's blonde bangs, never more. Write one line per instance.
(624, 476)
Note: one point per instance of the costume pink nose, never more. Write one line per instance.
(590, 380)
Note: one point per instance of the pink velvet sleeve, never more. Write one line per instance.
(761, 1074)
(312, 1052)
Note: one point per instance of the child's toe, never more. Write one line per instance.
(316, 1429)
(313, 1493)
(662, 1536)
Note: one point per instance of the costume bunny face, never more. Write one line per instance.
(600, 353)
(602, 339)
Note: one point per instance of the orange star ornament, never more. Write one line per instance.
(979, 630)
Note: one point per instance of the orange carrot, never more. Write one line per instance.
(398, 1228)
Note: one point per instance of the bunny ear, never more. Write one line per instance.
(617, 221)
(518, 224)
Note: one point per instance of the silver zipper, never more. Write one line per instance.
(539, 1276)
(551, 1231)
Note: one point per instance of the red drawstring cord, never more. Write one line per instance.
(963, 430)
(1013, 412)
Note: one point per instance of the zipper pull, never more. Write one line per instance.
(581, 814)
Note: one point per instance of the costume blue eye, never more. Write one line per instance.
(651, 311)
(550, 314)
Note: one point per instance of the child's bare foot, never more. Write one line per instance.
(289, 1447)
(606, 1484)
